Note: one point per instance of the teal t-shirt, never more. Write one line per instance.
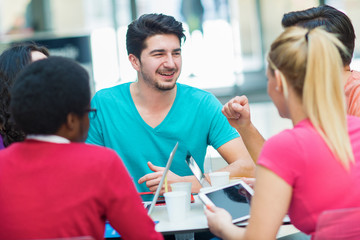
(195, 121)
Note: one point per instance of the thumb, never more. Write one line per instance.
(240, 109)
(210, 207)
(153, 167)
(237, 107)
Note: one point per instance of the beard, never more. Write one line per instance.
(162, 86)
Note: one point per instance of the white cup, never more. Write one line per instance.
(219, 178)
(175, 205)
(183, 186)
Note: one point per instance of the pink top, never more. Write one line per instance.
(352, 94)
(51, 190)
(301, 157)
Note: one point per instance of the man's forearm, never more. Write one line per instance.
(195, 186)
(240, 168)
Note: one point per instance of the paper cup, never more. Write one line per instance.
(176, 205)
(219, 178)
(185, 187)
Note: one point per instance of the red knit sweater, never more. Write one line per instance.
(50, 190)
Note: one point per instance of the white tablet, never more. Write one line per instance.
(234, 198)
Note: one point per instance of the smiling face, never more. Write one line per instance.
(160, 62)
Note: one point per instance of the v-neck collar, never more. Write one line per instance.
(155, 129)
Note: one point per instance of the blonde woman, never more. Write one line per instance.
(297, 165)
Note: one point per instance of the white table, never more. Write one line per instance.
(196, 221)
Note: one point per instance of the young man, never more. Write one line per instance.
(237, 110)
(52, 185)
(143, 120)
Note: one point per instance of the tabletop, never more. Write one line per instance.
(196, 221)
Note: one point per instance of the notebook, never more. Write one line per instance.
(157, 193)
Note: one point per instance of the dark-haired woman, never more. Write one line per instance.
(12, 61)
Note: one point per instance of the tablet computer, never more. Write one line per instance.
(200, 176)
(234, 198)
(167, 167)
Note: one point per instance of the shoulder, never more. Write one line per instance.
(90, 151)
(292, 140)
(102, 157)
(355, 75)
(285, 153)
(353, 82)
(353, 123)
(108, 93)
(281, 140)
(193, 91)
(195, 94)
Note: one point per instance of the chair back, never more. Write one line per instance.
(338, 224)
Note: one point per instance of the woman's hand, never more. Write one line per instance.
(249, 181)
(237, 112)
(220, 223)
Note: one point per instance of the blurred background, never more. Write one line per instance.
(227, 41)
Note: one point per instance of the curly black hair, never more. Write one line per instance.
(12, 61)
(46, 91)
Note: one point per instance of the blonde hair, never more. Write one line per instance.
(311, 64)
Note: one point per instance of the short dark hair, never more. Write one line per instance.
(333, 20)
(12, 61)
(148, 25)
(48, 90)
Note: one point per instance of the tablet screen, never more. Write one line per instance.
(234, 199)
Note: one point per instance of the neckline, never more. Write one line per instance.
(47, 138)
(178, 92)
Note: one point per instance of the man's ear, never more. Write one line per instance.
(135, 62)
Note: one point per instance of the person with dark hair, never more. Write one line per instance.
(12, 61)
(143, 120)
(295, 166)
(332, 20)
(52, 185)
